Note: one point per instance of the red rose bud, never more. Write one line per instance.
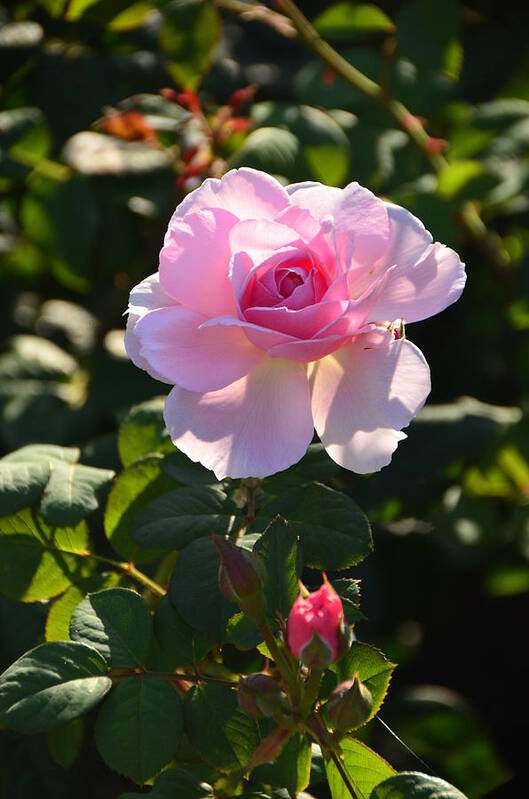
(316, 630)
(130, 126)
(349, 706)
(241, 576)
(261, 696)
(190, 100)
(242, 95)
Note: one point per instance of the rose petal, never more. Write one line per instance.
(195, 259)
(144, 297)
(303, 324)
(254, 427)
(199, 359)
(262, 338)
(418, 290)
(247, 193)
(363, 395)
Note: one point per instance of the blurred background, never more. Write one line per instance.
(109, 113)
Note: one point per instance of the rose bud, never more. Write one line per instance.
(261, 696)
(241, 576)
(316, 629)
(349, 706)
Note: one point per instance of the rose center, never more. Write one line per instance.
(288, 282)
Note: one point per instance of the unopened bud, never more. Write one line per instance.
(316, 631)
(241, 576)
(349, 706)
(261, 696)
(242, 95)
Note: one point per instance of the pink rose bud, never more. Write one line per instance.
(349, 706)
(316, 629)
(241, 576)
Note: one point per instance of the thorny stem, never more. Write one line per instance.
(469, 217)
(171, 675)
(127, 567)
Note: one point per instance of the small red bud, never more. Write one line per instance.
(329, 76)
(434, 145)
(316, 630)
(189, 99)
(130, 126)
(261, 696)
(241, 576)
(242, 95)
(349, 706)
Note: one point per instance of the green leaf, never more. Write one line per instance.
(413, 785)
(133, 489)
(51, 685)
(117, 623)
(364, 767)
(178, 467)
(143, 431)
(349, 592)
(175, 519)
(314, 465)
(38, 561)
(271, 149)
(278, 550)
(464, 179)
(194, 589)
(242, 632)
(131, 17)
(344, 20)
(180, 644)
(43, 453)
(218, 728)
(333, 531)
(60, 613)
(291, 770)
(73, 491)
(21, 484)
(139, 726)
(175, 782)
(373, 669)
(188, 36)
(65, 742)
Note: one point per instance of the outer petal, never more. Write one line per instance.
(246, 193)
(363, 395)
(144, 297)
(303, 324)
(418, 290)
(195, 259)
(255, 427)
(199, 359)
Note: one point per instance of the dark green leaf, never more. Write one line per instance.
(43, 453)
(143, 431)
(413, 785)
(315, 465)
(117, 623)
(137, 486)
(60, 612)
(218, 728)
(242, 632)
(349, 592)
(188, 36)
(278, 550)
(372, 667)
(291, 770)
(364, 767)
(38, 561)
(345, 19)
(271, 149)
(51, 685)
(21, 484)
(180, 645)
(428, 33)
(194, 589)
(65, 742)
(73, 491)
(333, 531)
(178, 467)
(173, 783)
(139, 726)
(175, 519)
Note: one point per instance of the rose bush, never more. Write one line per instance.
(272, 314)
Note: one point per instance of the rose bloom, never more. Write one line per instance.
(271, 314)
(320, 612)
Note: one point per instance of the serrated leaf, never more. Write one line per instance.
(143, 431)
(21, 484)
(278, 550)
(51, 685)
(139, 726)
(291, 770)
(349, 592)
(175, 519)
(60, 613)
(117, 623)
(372, 667)
(333, 531)
(414, 785)
(194, 589)
(364, 768)
(175, 782)
(45, 453)
(179, 468)
(38, 561)
(180, 644)
(133, 489)
(218, 728)
(73, 491)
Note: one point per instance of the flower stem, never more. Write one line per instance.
(321, 735)
(127, 567)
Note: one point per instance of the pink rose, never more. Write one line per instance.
(320, 612)
(271, 314)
